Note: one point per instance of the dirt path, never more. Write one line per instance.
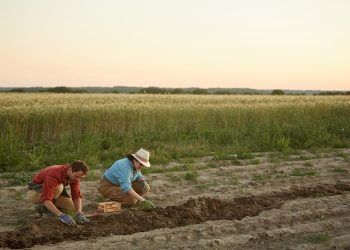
(271, 204)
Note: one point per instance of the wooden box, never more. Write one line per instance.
(108, 207)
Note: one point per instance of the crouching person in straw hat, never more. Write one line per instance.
(48, 191)
(123, 181)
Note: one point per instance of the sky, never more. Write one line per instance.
(270, 44)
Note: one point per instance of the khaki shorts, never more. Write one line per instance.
(60, 201)
(115, 193)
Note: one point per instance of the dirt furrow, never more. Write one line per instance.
(194, 211)
(265, 231)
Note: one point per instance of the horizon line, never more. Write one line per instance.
(192, 87)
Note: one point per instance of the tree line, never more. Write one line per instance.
(158, 90)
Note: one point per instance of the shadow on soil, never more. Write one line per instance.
(51, 231)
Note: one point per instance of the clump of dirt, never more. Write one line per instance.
(194, 211)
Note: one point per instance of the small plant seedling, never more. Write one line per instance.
(191, 175)
(303, 172)
(304, 158)
(255, 162)
(173, 177)
(99, 199)
(21, 221)
(342, 154)
(308, 164)
(319, 195)
(205, 185)
(340, 170)
(317, 238)
(260, 177)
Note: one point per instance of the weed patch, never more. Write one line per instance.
(17, 179)
(342, 154)
(317, 238)
(254, 162)
(191, 175)
(261, 177)
(173, 177)
(303, 172)
(339, 170)
(308, 164)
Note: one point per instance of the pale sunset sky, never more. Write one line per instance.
(262, 44)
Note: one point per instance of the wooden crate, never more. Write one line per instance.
(108, 207)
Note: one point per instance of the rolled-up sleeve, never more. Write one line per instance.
(124, 180)
(75, 190)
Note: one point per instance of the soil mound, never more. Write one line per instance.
(194, 211)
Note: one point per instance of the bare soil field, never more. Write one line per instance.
(270, 201)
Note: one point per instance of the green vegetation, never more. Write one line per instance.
(254, 161)
(212, 165)
(277, 92)
(261, 177)
(173, 177)
(191, 175)
(99, 198)
(21, 220)
(304, 158)
(340, 170)
(319, 195)
(16, 179)
(342, 154)
(317, 238)
(303, 172)
(308, 164)
(37, 130)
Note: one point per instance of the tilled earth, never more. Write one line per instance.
(276, 204)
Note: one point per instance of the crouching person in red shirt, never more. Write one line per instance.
(47, 191)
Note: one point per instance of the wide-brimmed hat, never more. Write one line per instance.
(143, 157)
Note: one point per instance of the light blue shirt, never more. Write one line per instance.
(122, 173)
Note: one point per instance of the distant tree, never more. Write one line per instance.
(251, 93)
(62, 89)
(199, 91)
(59, 90)
(153, 90)
(17, 90)
(222, 92)
(176, 91)
(334, 93)
(277, 92)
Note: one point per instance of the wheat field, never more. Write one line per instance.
(42, 129)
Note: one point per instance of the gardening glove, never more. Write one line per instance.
(146, 205)
(66, 219)
(80, 218)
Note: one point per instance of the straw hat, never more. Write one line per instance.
(142, 156)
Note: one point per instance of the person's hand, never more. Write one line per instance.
(146, 205)
(80, 218)
(66, 219)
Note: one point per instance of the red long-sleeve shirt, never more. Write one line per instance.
(51, 177)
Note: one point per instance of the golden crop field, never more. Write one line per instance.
(41, 129)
